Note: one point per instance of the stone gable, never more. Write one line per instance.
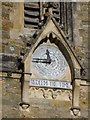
(18, 38)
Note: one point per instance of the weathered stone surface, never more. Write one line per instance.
(10, 98)
(6, 25)
(12, 26)
(5, 34)
(8, 63)
(7, 4)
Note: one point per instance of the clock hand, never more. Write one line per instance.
(48, 60)
(48, 56)
(38, 60)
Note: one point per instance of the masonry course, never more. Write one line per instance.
(12, 28)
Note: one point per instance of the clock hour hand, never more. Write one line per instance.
(48, 56)
(38, 60)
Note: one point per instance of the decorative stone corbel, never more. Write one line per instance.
(24, 106)
(75, 110)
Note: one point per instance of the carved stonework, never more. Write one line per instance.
(75, 112)
(50, 93)
(54, 68)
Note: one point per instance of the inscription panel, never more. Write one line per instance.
(50, 84)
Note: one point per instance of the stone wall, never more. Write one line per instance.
(12, 27)
(81, 22)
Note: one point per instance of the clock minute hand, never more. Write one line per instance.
(38, 60)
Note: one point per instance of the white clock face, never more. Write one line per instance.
(49, 62)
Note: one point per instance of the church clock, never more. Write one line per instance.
(49, 62)
(54, 67)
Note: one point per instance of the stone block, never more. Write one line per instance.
(6, 25)
(7, 4)
(5, 34)
(12, 49)
(9, 62)
(5, 16)
(14, 33)
(83, 32)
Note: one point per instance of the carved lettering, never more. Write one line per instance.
(50, 84)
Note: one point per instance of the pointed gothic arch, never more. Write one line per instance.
(56, 36)
(56, 40)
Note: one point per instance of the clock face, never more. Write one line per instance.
(49, 62)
